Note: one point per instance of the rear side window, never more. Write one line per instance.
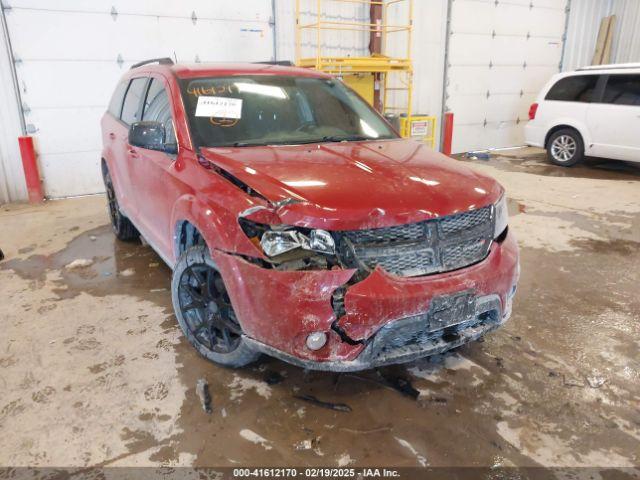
(622, 90)
(158, 109)
(579, 88)
(115, 105)
(131, 106)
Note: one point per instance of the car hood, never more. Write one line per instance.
(351, 185)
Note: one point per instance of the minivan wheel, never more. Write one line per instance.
(204, 311)
(565, 148)
(122, 226)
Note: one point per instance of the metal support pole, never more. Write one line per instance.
(12, 63)
(375, 47)
(445, 76)
(274, 30)
(318, 36)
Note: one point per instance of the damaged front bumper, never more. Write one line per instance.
(386, 319)
(405, 340)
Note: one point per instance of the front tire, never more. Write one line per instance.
(204, 311)
(565, 148)
(122, 226)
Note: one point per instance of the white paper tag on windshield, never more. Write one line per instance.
(219, 107)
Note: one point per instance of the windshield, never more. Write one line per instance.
(270, 110)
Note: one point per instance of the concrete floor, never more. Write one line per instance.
(94, 369)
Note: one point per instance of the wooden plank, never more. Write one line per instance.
(602, 54)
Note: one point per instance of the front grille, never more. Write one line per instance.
(416, 333)
(422, 248)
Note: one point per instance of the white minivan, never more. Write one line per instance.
(593, 111)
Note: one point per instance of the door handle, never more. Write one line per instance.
(112, 135)
(133, 153)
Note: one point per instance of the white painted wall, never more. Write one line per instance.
(70, 54)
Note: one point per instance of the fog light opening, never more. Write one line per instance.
(316, 340)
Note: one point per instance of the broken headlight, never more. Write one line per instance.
(276, 240)
(501, 215)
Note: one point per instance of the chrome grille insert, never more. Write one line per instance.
(432, 246)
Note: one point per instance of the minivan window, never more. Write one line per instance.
(132, 101)
(622, 90)
(158, 109)
(115, 105)
(275, 110)
(578, 88)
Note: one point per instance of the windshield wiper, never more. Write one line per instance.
(344, 138)
(327, 138)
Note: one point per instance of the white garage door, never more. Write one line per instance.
(70, 54)
(501, 53)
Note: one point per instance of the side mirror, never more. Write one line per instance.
(149, 135)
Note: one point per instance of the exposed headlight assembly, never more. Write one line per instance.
(501, 216)
(277, 242)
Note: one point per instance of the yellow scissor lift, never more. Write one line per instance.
(396, 72)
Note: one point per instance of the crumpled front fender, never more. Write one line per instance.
(281, 308)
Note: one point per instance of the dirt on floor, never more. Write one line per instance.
(94, 369)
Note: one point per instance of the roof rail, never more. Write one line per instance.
(160, 61)
(282, 63)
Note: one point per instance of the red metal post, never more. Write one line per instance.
(448, 133)
(30, 166)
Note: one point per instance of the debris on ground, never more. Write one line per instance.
(403, 386)
(93, 238)
(397, 383)
(1, 255)
(356, 431)
(596, 381)
(202, 389)
(436, 399)
(79, 263)
(273, 378)
(477, 155)
(344, 460)
(305, 445)
(340, 407)
(127, 273)
(253, 437)
(422, 460)
(572, 382)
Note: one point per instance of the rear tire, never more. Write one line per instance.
(122, 226)
(565, 148)
(204, 311)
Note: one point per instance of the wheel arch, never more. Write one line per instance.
(570, 126)
(197, 223)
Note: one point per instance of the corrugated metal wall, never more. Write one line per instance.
(626, 44)
(582, 32)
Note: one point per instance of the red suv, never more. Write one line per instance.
(298, 223)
